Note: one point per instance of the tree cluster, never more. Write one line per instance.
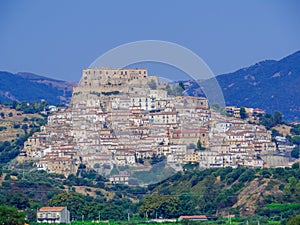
(29, 108)
(270, 121)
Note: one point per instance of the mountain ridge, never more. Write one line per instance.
(270, 85)
(24, 86)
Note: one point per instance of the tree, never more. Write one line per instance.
(10, 114)
(152, 84)
(17, 200)
(271, 121)
(267, 121)
(169, 89)
(164, 206)
(292, 189)
(75, 202)
(295, 153)
(11, 216)
(25, 127)
(14, 104)
(296, 140)
(294, 220)
(199, 145)
(177, 91)
(275, 133)
(277, 118)
(243, 113)
(2, 128)
(181, 85)
(296, 129)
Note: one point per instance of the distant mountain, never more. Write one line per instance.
(31, 87)
(270, 85)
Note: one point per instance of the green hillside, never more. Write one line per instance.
(242, 192)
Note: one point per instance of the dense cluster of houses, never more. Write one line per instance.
(119, 116)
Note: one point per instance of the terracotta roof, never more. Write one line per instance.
(194, 217)
(52, 209)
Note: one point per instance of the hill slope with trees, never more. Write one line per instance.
(244, 192)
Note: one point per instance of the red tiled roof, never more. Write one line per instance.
(52, 209)
(194, 217)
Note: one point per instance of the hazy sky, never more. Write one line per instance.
(58, 38)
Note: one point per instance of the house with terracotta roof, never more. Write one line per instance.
(53, 215)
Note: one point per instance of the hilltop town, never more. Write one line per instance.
(122, 117)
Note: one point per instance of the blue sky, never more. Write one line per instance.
(58, 38)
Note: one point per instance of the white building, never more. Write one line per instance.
(53, 215)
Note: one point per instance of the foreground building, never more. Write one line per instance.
(53, 215)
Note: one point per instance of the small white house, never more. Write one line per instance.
(53, 215)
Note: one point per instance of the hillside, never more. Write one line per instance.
(244, 192)
(270, 85)
(13, 123)
(240, 191)
(31, 87)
